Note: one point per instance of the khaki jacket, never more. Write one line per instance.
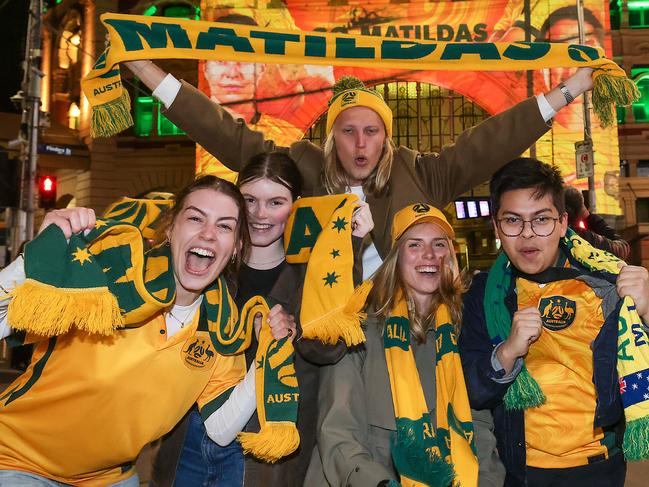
(356, 418)
(431, 178)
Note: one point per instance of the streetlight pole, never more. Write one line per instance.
(31, 102)
(587, 133)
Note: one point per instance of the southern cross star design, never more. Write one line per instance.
(339, 224)
(335, 253)
(635, 388)
(81, 255)
(331, 279)
(100, 223)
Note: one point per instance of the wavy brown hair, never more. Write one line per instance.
(389, 287)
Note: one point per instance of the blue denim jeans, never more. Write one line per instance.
(15, 478)
(203, 463)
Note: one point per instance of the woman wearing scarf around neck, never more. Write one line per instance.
(394, 411)
(88, 403)
(270, 182)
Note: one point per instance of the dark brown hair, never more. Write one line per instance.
(277, 167)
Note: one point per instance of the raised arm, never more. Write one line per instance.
(481, 150)
(231, 141)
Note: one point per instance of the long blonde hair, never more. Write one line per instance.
(336, 180)
(389, 287)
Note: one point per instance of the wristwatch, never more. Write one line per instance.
(566, 94)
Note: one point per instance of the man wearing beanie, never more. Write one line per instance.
(358, 154)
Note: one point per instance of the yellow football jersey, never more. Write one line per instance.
(561, 432)
(88, 404)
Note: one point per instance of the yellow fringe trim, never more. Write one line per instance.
(273, 442)
(50, 311)
(342, 323)
(611, 90)
(111, 118)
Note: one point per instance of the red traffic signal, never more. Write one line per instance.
(47, 191)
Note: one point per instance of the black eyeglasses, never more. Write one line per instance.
(542, 226)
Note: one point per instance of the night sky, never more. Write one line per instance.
(13, 25)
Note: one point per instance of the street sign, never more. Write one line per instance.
(584, 159)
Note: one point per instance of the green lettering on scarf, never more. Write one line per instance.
(455, 50)
(589, 53)
(156, 36)
(275, 43)
(315, 46)
(405, 50)
(623, 327)
(445, 341)
(527, 51)
(218, 36)
(347, 49)
(397, 333)
(306, 229)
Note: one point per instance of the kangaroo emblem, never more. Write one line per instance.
(557, 312)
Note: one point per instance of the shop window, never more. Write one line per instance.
(615, 9)
(149, 121)
(179, 10)
(638, 14)
(642, 210)
(643, 167)
(641, 107)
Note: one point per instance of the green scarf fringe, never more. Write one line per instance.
(636, 439)
(112, 117)
(524, 393)
(410, 456)
(609, 91)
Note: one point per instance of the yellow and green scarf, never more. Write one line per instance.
(143, 213)
(318, 232)
(104, 280)
(633, 344)
(134, 37)
(423, 455)
(276, 391)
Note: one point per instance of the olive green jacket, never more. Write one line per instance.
(432, 178)
(356, 417)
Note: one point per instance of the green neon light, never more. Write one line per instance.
(638, 4)
(151, 10)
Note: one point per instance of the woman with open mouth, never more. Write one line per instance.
(270, 182)
(395, 409)
(89, 403)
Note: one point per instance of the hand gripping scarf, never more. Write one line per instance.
(633, 344)
(104, 281)
(318, 232)
(276, 390)
(135, 37)
(421, 455)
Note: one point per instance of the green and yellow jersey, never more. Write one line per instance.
(88, 404)
(561, 433)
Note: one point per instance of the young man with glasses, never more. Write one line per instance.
(539, 339)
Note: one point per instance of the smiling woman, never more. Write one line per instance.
(131, 388)
(385, 407)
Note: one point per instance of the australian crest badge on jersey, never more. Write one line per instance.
(557, 312)
(198, 352)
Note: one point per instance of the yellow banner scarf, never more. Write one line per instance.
(318, 232)
(276, 391)
(632, 345)
(135, 37)
(423, 456)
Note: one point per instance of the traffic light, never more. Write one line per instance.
(47, 192)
